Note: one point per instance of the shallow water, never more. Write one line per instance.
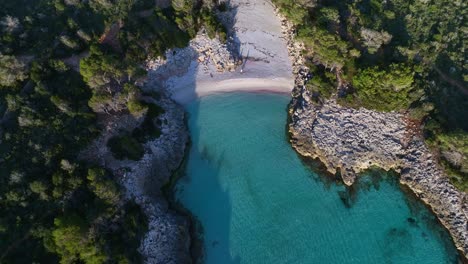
(258, 203)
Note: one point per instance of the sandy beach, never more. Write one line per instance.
(182, 94)
(256, 37)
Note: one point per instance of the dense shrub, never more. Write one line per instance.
(53, 205)
(385, 90)
(391, 55)
(125, 147)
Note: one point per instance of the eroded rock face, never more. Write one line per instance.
(421, 172)
(354, 140)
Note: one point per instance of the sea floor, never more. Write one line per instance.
(257, 202)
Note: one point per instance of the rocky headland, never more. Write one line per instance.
(353, 140)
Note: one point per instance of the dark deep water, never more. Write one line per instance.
(258, 203)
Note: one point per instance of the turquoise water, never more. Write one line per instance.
(258, 203)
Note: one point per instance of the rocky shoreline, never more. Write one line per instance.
(180, 74)
(168, 236)
(167, 239)
(170, 230)
(354, 140)
(342, 138)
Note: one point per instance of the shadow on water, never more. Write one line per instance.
(205, 164)
(222, 209)
(420, 215)
(198, 158)
(209, 163)
(218, 196)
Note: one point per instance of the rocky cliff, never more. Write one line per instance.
(353, 140)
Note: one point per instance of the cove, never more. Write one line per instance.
(257, 202)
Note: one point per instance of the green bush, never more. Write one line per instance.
(71, 243)
(452, 148)
(136, 107)
(103, 186)
(126, 147)
(148, 130)
(392, 56)
(124, 240)
(385, 90)
(323, 83)
(212, 26)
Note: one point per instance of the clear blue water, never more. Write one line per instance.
(258, 203)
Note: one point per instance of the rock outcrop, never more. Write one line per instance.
(168, 236)
(205, 51)
(349, 139)
(354, 140)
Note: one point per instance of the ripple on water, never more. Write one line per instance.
(258, 203)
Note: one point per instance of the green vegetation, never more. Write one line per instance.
(213, 26)
(12, 71)
(323, 85)
(55, 206)
(125, 147)
(392, 55)
(453, 150)
(384, 90)
(148, 129)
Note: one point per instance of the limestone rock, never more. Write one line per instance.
(168, 236)
(355, 140)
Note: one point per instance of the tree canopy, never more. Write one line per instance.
(64, 65)
(397, 55)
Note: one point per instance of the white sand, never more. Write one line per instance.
(257, 31)
(276, 85)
